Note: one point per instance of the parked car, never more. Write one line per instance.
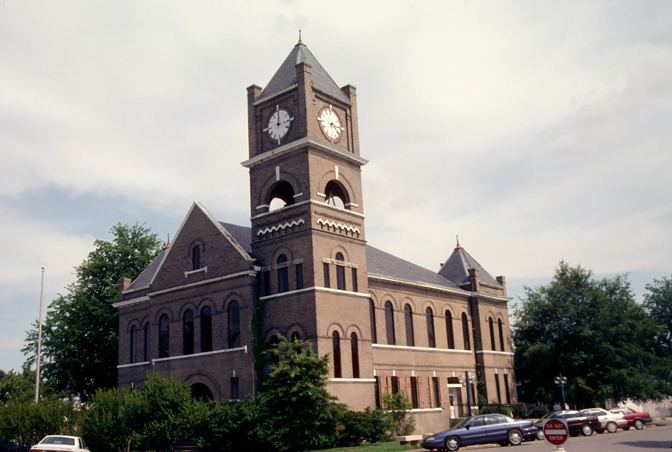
(60, 443)
(482, 429)
(608, 421)
(635, 419)
(577, 423)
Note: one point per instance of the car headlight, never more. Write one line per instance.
(431, 438)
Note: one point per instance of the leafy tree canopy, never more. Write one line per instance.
(79, 348)
(595, 334)
(296, 410)
(658, 302)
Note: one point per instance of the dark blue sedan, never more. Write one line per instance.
(483, 429)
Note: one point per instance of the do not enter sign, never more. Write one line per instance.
(555, 431)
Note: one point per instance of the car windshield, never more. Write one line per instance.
(462, 423)
(58, 440)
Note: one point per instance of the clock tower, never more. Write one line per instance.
(307, 218)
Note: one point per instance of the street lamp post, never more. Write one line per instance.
(561, 381)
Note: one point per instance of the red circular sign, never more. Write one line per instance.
(555, 431)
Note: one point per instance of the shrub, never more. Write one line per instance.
(229, 426)
(110, 419)
(398, 406)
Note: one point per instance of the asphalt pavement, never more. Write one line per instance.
(651, 438)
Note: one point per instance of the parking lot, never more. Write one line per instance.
(651, 438)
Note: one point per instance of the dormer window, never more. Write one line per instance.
(196, 257)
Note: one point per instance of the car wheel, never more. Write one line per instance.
(515, 437)
(586, 430)
(639, 424)
(540, 435)
(612, 427)
(452, 443)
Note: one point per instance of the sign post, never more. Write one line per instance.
(556, 433)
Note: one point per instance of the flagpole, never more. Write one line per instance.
(38, 356)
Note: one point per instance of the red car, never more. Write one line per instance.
(635, 419)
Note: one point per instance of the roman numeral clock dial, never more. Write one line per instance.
(278, 124)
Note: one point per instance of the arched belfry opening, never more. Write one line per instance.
(199, 391)
(281, 195)
(336, 195)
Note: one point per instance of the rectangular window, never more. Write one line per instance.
(145, 343)
(340, 277)
(355, 286)
(414, 392)
(498, 389)
(506, 389)
(267, 282)
(395, 385)
(377, 392)
(235, 394)
(299, 276)
(325, 270)
(437, 392)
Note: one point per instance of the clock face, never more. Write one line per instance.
(330, 124)
(278, 124)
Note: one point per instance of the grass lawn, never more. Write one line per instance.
(383, 446)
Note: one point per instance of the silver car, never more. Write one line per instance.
(609, 421)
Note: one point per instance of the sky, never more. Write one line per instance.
(537, 131)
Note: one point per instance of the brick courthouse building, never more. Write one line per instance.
(387, 324)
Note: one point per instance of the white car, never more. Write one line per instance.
(608, 420)
(60, 443)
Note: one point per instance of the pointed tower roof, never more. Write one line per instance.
(456, 268)
(285, 76)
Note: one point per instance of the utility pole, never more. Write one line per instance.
(38, 356)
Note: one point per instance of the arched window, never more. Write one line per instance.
(145, 343)
(283, 274)
(336, 195)
(188, 332)
(408, 321)
(196, 257)
(465, 332)
(206, 329)
(164, 336)
(273, 343)
(132, 339)
(336, 343)
(296, 336)
(431, 337)
(282, 194)
(449, 330)
(372, 318)
(501, 335)
(340, 272)
(354, 349)
(389, 323)
(492, 334)
(234, 324)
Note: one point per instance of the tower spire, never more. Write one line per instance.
(457, 239)
(300, 41)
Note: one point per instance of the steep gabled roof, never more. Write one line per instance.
(285, 76)
(237, 236)
(457, 268)
(385, 264)
(147, 276)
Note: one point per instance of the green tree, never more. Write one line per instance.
(16, 386)
(591, 331)
(658, 302)
(80, 332)
(295, 408)
(110, 420)
(398, 407)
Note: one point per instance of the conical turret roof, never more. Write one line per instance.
(285, 76)
(456, 268)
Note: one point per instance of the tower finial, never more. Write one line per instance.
(457, 239)
(300, 41)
